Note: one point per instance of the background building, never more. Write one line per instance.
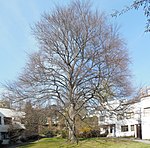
(10, 124)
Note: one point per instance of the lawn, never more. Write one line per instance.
(86, 143)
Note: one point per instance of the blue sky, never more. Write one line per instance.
(16, 40)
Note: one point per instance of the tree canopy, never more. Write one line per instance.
(82, 62)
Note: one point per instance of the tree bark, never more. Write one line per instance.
(71, 125)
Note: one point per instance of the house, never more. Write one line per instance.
(120, 119)
(145, 113)
(124, 118)
(9, 120)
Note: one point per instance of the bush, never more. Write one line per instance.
(64, 134)
(50, 134)
(33, 137)
(104, 134)
(90, 134)
(95, 133)
(23, 139)
(1, 141)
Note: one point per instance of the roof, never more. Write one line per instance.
(11, 113)
(18, 125)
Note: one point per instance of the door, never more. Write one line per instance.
(139, 131)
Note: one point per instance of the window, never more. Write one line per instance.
(147, 111)
(4, 135)
(132, 127)
(111, 116)
(102, 118)
(7, 120)
(124, 128)
(120, 117)
(129, 115)
(111, 129)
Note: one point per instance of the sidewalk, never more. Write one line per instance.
(138, 140)
(143, 141)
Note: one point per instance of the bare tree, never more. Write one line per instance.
(82, 62)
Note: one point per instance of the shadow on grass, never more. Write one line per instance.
(27, 145)
(82, 139)
(22, 145)
(60, 142)
(41, 141)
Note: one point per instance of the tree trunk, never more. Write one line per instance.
(72, 133)
(71, 126)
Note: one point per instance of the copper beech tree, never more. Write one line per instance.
(82, 62)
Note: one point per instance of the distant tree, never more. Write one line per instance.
(82, 62)
(31, 120)
(5, 104)
(145, 4)
(35, 120)
(15, 133)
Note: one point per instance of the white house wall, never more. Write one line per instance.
(141, 110)
(110, 122)
(124, 134)
(3, 128)
(145, 117)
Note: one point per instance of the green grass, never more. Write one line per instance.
(86, 143)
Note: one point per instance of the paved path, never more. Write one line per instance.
(138, 140)
(143, 141)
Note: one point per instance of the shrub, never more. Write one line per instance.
(90, 134)
(33, 137)
(64, 134)
(50, 134)
(1, 141)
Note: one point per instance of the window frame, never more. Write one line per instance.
(129, 115)
(111, 128)
(4, 135)
(146, 111)
(124, 128)
(7, 120)
(132, 127)
(102, 118)
(120, 117)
